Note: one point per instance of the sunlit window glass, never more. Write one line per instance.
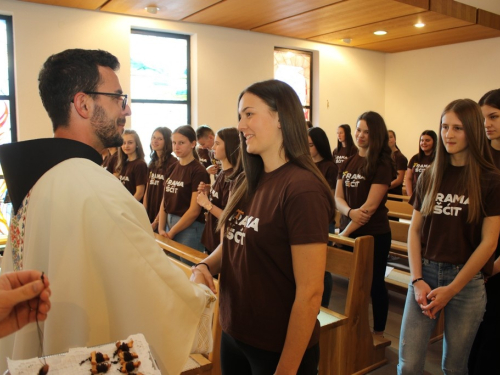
(295, 67)
(160, 82)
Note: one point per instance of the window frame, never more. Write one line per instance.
(311, 72)
(11, 73)
(187, 102)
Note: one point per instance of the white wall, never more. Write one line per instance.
(225, 61)
(419, 84)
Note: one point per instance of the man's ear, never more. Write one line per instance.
(81, 102)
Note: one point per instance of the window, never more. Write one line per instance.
(295, 68)
(160, 82)
(8, 130)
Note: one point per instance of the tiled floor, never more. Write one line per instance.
(396, 306)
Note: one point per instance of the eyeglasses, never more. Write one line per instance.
(125, 96)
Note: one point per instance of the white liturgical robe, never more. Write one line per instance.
(109, 278)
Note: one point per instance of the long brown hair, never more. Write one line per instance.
(281, 99)
(378, 147)
(156, 160)
(122, 157)
(478, 160)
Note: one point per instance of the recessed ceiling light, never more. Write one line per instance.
(152, 9)
(380, 32)
(420, 24)
(347, 40)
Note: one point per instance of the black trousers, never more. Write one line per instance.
(379, 294)
(238, 358)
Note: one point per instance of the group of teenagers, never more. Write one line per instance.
(277, 186)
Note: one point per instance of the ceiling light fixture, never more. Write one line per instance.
(152, 9)
(380, 32)
(347, 40)
(419, 24)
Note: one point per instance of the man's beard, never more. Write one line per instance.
(105, 128)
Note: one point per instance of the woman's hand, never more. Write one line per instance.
(161, 232)
(421, 290)
(359, 216)
(439, 298)
(203, 188)
(201, 275)
(202, 199)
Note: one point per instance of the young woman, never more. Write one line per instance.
(401, 162)
(345, 145)
(452, 237)
(131, 168)
(181, 218)
(483, 358)
(161, 162)
(272, 258)
(361, 194)
(321, 153)
(421, 161)
(226, 150)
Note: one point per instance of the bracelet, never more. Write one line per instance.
(414, 281)
(209, 209)
(348, 212)
(208, 267)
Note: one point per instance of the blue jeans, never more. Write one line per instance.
(191, 236)
(463, 314)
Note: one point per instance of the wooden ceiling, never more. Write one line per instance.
(339, 22)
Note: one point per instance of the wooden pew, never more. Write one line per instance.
(203, 365)
(404, 198)
(176, 248)
(350, 347)
(402, 210)
(399, 233)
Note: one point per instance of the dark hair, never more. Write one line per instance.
(188, 132)
(309, 124)
(167, 148)
(122, 157)
(395, 144)
(320, 141)
(478, 160)
(281, 99)
(349, 142)
(203, 131)
(65, 74)
(491, 98)
(433, 135)
(378, 147)
(231, 139)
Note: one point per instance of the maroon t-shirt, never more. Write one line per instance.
(419, 164)
(329, 170)
(134, 173)
(496, 156)
(109, 162)
(205, 157)
(219, 194)
(340, 156)
(496, 159)
(401, 164)
(356, 187)
(155, 186)
(257, 289)
(182, 182)
(446, 236)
